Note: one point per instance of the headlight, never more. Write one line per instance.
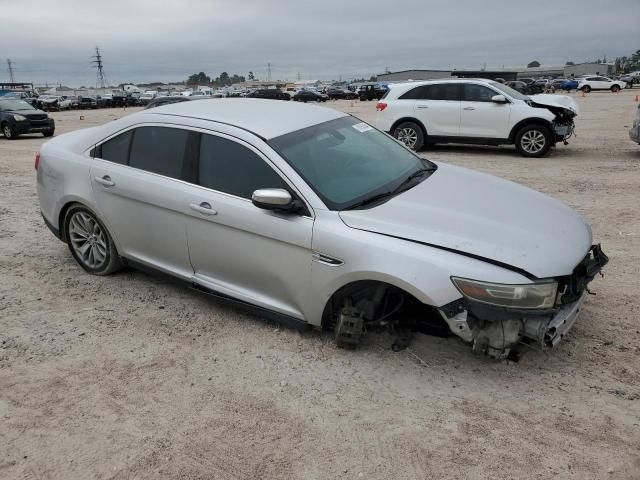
(530, 295)
(19, 118)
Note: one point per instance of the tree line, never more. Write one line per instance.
(222, 81)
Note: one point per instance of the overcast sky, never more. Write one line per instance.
(145, 40)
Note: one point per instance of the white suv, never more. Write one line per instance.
(475, 111)
(600, 83)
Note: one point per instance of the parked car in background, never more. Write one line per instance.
(475, 111)
(270, 94)
(629, 80)
(371, 91)
(18, 117)
(341, 94)
(146, 98)
(309, 96)
(160, 101)
(312, 217)
(87, 102)
(525, 88)
(570, 84)
(588, 84)
(634, 131)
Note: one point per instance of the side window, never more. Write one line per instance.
(412, 94)
(116, 149)
(159, 150)
(477, 93)
(440, 91)
(227, 166)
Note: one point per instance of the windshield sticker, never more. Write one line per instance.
(362, 127)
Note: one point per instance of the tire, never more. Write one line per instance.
(410, 134)
(83, 229)
(9, 132)
(615, 88)
(533, 141)
(48, 133)
(586, 89)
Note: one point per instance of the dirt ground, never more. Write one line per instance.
(135, 376)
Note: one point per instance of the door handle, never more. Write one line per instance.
(422, 106)
(204, 208)
(469, 108)
(105, 180)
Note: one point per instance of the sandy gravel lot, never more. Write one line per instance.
(134, 376)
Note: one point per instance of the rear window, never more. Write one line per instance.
(117, 149)
(159, 150)
(436, 91)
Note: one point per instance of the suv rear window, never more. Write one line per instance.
(435, 91)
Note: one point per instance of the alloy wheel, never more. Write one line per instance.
(7, 131)
(533, 141)
(88, 240)
(408, 136)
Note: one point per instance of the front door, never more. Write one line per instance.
(255, 255)
(480, 117)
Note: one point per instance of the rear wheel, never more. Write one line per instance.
(533, 141)
(615, 88)
(9, 132)
(586, 89)
(410, 134)
(90, 242)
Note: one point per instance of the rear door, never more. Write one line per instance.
(437, 106)
(480, 117)
(237, 249)
(138, 181)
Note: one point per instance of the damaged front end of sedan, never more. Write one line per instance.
(497, 319)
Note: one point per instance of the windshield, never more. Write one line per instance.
(346, 161)
(509, 91)
(14, 105)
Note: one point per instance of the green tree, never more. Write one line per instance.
(251, 76)
(198, 78)
(373, 78)
(533, 64)
(568, 64)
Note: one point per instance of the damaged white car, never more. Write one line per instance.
(313, 217)
(475, 111)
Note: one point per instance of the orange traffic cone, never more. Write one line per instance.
(636, 98)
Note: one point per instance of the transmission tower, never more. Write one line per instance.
(101, 77)
(10, 64)
(268, 72)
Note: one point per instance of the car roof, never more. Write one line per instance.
(265, 118)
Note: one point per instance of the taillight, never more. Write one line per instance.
(381, 106)
(37, 160)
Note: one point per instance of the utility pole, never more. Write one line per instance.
(101, 77)
(299, 77)
(10, 64)
(268, 72)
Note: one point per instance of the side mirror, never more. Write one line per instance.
(499, 99)
(275, 199)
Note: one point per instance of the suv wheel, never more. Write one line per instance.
(586, 89)
(410, 134)
(48, 133)
(90, 242)
(533, 141)
(615, 88)
(9, 132)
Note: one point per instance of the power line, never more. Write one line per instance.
(268, 72)
(101, 76)
(10, 64)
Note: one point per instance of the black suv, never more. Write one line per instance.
(371, 91)
(270, 93)
(18, 117)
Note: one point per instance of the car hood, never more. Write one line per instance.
(558, 101)
(483, 216)
(27, 113)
